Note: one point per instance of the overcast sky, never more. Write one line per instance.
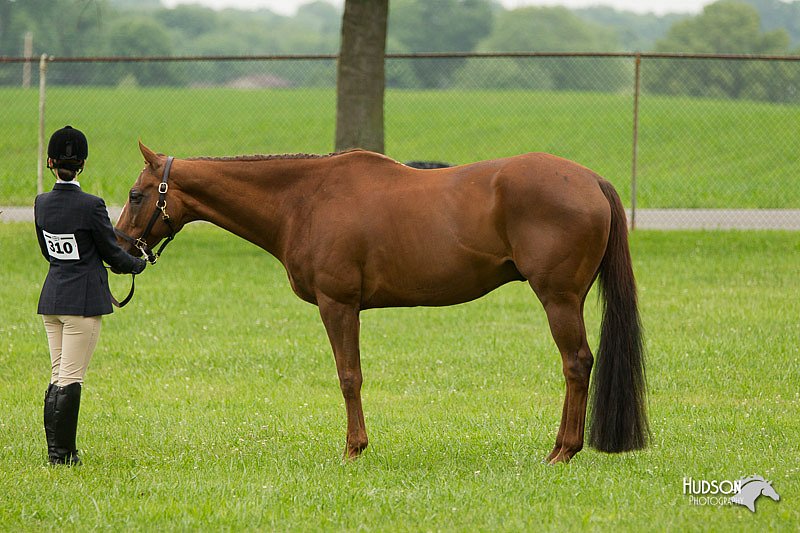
(288, 7)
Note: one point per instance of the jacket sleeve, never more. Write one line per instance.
(106, 242)
(39, 235)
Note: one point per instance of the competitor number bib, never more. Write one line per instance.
(62, 246)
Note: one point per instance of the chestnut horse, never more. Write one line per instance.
(357, 230)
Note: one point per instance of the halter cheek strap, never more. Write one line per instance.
(161, 205)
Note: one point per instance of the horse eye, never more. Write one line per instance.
(135, 196)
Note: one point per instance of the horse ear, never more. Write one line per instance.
(150, 157)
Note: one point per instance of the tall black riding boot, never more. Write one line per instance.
(67, 405)
(50, 419)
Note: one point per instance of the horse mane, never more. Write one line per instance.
(270, 157)
(750, 479)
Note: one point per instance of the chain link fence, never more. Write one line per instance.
(688, 140)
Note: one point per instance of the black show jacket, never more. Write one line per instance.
(76, 236)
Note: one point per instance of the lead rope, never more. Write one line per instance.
(127, 299)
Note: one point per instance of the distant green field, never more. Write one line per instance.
(693, 152)
(212, 402)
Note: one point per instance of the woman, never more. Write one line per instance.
(75, 236)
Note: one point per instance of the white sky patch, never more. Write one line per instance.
(289, 7)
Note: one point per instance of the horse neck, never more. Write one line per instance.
(252, 199)
(752, 489)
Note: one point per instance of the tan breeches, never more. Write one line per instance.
(72, 340)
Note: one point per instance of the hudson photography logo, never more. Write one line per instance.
(715, 492)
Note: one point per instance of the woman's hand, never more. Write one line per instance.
(140, 266)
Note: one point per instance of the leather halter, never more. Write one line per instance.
(141, 242)
(161, 205)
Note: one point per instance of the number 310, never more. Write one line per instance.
(56, 247)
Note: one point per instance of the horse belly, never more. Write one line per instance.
(437, 277)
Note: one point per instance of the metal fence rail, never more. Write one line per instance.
(689, 140)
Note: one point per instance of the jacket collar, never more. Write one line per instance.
(66, 187)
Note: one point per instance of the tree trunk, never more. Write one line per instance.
(360, 75)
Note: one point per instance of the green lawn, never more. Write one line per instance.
(212, 401)
(692, 153)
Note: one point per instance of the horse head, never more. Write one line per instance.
(154, 208)
(768, 491)
(750, 489)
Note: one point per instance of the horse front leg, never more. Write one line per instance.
(342, 325)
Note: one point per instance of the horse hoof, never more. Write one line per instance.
(561, 458)
(351, 454)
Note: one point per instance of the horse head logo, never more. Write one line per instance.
(750, 488)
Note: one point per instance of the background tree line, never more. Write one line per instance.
(146, 27)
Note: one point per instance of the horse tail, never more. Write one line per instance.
(619, 417)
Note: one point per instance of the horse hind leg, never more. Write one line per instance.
(565, 316)
(560, 262)
(560, 436)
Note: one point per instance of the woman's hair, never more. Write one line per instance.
(66, 170)
(65, 174)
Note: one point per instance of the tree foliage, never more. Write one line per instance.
(725, 27)
(442, 26)
(636, 32)
(778, 14)
(546, 29)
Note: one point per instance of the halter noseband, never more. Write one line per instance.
(161, 205)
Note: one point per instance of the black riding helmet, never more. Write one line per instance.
(67, 149)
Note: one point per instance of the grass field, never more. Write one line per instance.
(212, 401)
(693, 152)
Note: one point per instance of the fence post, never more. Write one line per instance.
(635, 154)
(27, 52)
(40, 153)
